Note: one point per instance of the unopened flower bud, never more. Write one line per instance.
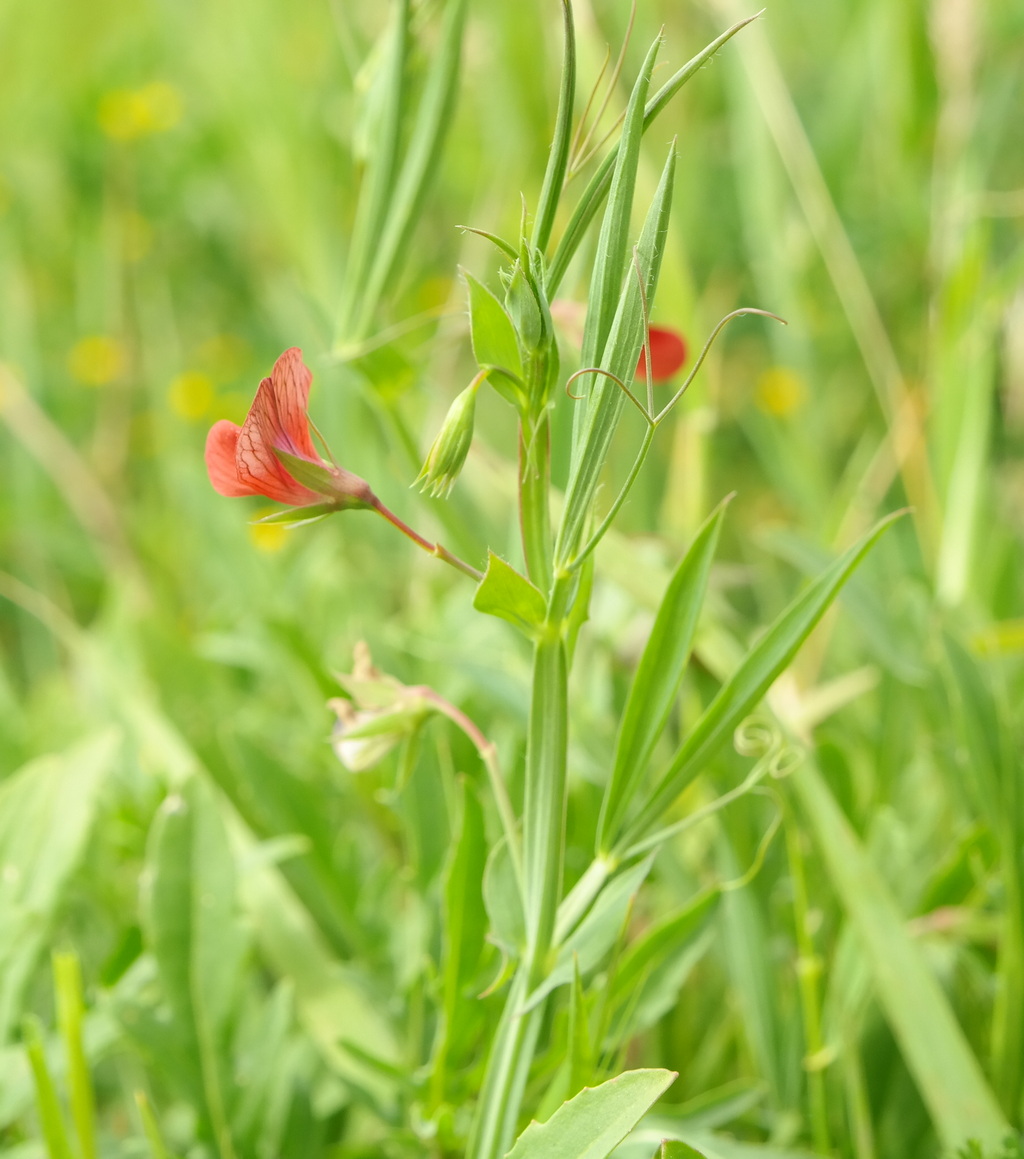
(528, 309)
(446, 457)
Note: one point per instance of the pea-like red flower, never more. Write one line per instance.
(668, 354)
(264, 455)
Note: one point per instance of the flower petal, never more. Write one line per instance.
(668, 353)
(259, 468)
(277, 419)
(288, 431)
(221, 443)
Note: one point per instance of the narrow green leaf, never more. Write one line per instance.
(581, 1051)
(435, 108)
(751, 969)
(504, 593)
(593, 1123)
(991, 770)
(151, 1127)
(275, 803)
(587, 945)
(652, 970)
(47, 810)
(378, 186)
(597, 189)
(335, 1002)
(51, 1118)
(189, 915)
(504, 901)
(610, 258)
(296, 516)
(558, 159)
(951, 1082)
(465, 918)
(67, 976)
(748, 684)
(602, 406)
(266, 1075)
(658, 677)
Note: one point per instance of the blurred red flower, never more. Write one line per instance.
(668, 354)
(250, 459)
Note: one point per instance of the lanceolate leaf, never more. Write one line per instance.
(434, 115)
(597, 190)
(558, 159)
(379, 181)
(587, 945)
(610, 260)
(658, 676)
(592, 1124)
(47, 811)
(192, 926)
(947, 1074)
(599, 414)
(742, 691)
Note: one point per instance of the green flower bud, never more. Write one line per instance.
(448, 454)
(524, 309)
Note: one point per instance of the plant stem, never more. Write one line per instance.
(534, 509)
(434, 549)
(544, 801)
(508, 1066)
(544, 810)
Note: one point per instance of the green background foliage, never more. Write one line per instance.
(288, 959)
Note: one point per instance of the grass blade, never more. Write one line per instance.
(67, 973)
(376, 194)
(434, 116)
(192, 926)
(47, 812)
(960, 1101)
(51, 1117)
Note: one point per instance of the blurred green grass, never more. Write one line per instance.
(177, 191)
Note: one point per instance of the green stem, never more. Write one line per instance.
(508, 1066)
(544, 810)
(534, 507)
(544, 801)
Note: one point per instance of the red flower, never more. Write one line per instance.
(668, 353)
(251, 459)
